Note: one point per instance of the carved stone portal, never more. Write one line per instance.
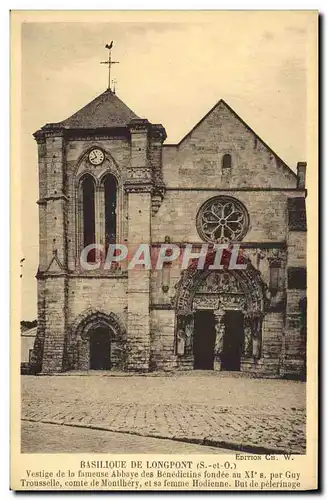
(222, 291)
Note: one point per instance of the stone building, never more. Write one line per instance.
(27, 339)
(106, 176)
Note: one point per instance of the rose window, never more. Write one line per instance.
(222, 219)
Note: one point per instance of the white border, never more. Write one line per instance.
(4, 198)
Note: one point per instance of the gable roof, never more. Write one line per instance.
(106, 110)
(222, 102)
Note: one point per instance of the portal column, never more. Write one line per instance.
(184, 341)
(219, 338)
(100, 220)
(248, 337)
(257, 336)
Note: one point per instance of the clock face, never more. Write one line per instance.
(96, 156)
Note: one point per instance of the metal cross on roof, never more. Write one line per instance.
(109, 62)
(114, 82)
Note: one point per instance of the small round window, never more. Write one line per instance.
(222, 219)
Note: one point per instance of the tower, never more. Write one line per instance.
(100, 180)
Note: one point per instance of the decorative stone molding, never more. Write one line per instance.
(220, 282)
(157, 132)
(141, 174)
(52, 131)
(214, 301)
(119, 134)
(158, 194)
(55, 265)
(138, 188)
(276, 257)
(259, 255)
(93, 318)
(138, 125)
(39, 137)
(161, 307)
(52, 197)
(249, 280)
(42, 275)
(206, 301)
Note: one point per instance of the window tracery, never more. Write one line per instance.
(222, 219)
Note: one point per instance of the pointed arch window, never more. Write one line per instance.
(88, 217)
(110, 192)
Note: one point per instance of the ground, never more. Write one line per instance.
(38, 437)
(228, 410)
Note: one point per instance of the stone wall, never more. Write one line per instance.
(197, 160)
(295, 330)
(177, 215)
(138, 285)
(162, 351)
(106, 293)
(55, 334)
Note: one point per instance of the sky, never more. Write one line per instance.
(173, 68)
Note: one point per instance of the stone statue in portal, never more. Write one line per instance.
(256, 347)
(188, 335)
(219, 335)
(181, 342)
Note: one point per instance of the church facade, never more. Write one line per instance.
(107, 176)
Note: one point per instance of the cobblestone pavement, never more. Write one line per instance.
(38, 437)
(213, 408)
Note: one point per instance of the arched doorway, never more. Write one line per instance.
(100, 349)
(219, 315)
(98, 342)
(218, 309)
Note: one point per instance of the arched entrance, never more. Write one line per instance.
(99, 341)
(100, 347)
(218, 311)
(219, 318)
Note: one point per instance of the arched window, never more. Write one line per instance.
(88, 206)
(226, 161)
(110, 188)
